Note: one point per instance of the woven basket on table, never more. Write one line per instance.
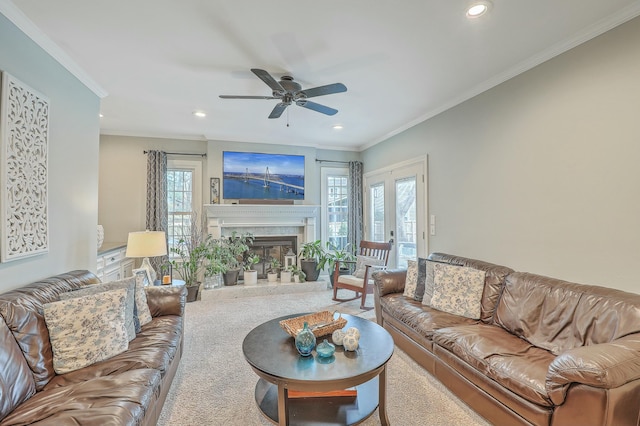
(320, 323)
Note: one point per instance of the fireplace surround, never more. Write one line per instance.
(264, 220)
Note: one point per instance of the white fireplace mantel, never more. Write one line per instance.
(257, 217)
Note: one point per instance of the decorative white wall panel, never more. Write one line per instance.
(24, 135)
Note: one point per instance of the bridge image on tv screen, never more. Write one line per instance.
(249, 175)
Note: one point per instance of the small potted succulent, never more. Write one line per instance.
(250, 274)
(274, 267)
(285, 274)
(299, 275)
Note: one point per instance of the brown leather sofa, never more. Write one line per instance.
(127, 389)
(544, 352)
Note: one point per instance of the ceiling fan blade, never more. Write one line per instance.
(324, 90)
(278, 110)
(246, 97)
(270, 81)
(317, 107)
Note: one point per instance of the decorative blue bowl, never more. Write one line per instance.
(325, 349)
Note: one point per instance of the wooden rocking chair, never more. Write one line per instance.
(361, 284)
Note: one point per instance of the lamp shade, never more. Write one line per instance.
(146, 244)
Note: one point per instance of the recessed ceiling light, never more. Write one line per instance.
(478, 9)
(101, 115)
(200, 114)
(337, 127)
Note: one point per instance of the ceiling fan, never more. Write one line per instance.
(289, 91)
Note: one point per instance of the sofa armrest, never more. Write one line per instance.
(606, 366)
(166, 300)
(389, 281)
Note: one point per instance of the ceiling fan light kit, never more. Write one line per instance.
(290, 92)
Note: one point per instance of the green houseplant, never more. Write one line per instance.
(345, 257)
(310, 255)
(274, 267)
(189, 255)
(231, 252)
(250, 274)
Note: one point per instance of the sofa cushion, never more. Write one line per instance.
(22, 311)
(458, 290)
(510, 361)
(412, 278)
(142, 281)
(558, 315)
(16, 380)
(87, 329)
(423, 319)
(119, 399)
(154, 347)
(128, 284)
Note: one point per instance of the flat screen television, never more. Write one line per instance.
(256, 176)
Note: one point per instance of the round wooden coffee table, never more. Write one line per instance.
(272, 354)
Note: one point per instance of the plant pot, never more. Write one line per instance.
(285, 276)
(296, 279)
(251, 277)
(272, 277)
(192, 292)
(309, 267)
(231, 277)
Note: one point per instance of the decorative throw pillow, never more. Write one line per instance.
(142, 280)
(85, 330)
(422, 277)
(412, 278)
(428, 283)
(128, 284)
(458, 290)
(362, 262)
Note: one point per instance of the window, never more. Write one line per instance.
(184, 195)
(335, 199)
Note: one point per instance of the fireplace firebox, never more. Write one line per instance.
(271, 247)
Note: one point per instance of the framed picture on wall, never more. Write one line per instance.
(215, 190)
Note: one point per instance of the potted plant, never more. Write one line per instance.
(310, 255)
(274, 267)
(299, 275)
(334, 255)
(285, 274)
(189, 255)
(232, 251)
(250, 274)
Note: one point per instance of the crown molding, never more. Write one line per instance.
(20, 20)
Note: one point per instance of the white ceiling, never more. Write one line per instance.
(402, 61)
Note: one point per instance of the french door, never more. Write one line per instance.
(396, 209)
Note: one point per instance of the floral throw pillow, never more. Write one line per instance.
(129, 284)
(457, 290)
(85, 330)
(412, 278)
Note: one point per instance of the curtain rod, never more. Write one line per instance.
(331, 161)
(179, 153)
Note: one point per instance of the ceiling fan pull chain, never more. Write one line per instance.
(287, 117)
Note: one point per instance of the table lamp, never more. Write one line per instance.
(147, 244)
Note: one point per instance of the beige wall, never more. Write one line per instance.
(73, 161)
(123, 174)
(541, 173)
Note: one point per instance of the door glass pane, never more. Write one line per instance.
(405, 221)
(337, 210)
(377, 212)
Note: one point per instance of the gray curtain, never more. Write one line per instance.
(355, 204)
(157, 209)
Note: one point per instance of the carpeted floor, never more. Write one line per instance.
(214, 385)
